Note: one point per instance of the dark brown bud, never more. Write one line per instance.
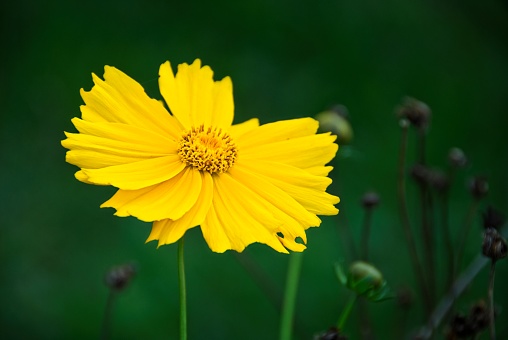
(479, 187)
(457, 158)
(415, 111)
(370, 200)
(492, 218)
(494, 246)
(459, 327)
(119, 277)
(333, 333)
(479, 317)
(420, 173)
(438, 180)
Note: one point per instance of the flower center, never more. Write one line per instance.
(209, 150)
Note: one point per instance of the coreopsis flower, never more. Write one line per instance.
(186, 165)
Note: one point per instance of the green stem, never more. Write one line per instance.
(491, 300)
(345, 313)
(183, 292)
(404, 218)
(467, 228)
(288, 308)
(106, 322)
(366, 233)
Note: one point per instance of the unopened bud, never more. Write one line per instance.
(370, 199)
(494, 245)
(479, 317)
(333, 333)
(335, 120)
(417, 112)
(438, 180)
(459, 327)
(365, 272)
(457, 158)
(119, 277)
(479, 187)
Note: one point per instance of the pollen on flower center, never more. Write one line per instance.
(208, 149)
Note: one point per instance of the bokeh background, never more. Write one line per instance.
(287, 59)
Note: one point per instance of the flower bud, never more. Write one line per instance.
(335, 120)
(457, 158)
(479, 187)
(370, 200)
(420, 174)
(333, 333)
(364, 279)
(364, 272)
(417, 112)
(459, 327)
(479, 317)
(494, 246)
(119, 277)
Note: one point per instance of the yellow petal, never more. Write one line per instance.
(137, 175)
(306, 189)
(319, 170)
(238, 218)
(169, 231)
(223, 108)
(105, 144)
(120, 99)
(278, 131)
(292, 245)
(278, 198)
(238, 130)
(194, 98)
(168, 200)
(302, 152)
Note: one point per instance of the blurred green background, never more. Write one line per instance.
(287, 59)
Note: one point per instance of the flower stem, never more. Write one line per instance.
(404, 218)
(288, 308)
(458, 287)
(106, 321)
(366, 233)
(467, 228)
(447, 240)
(491, 300)
(345, 313)
(183, 291)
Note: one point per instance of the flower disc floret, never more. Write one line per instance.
(209, 149)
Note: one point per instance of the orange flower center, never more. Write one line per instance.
(209, 150)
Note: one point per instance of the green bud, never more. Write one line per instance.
(364, 279)
(337, 124)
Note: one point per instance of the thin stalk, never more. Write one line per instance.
(443, 307)
(348, 240)
(183, 291)
(288, 308)
(345, 312)
(365, 233)
(427, 230)
(492, 324)
(468, 222)
(108, 312)
(365, 325)
(404, 218)
(445, 226)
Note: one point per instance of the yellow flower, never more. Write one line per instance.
(190, 166)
